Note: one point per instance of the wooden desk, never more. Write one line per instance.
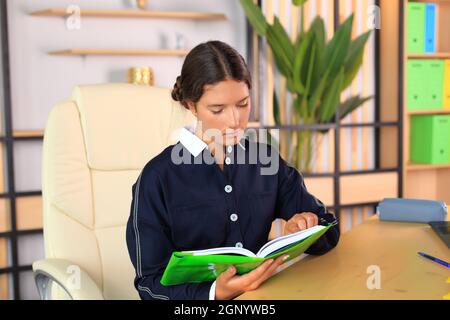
(342, 272)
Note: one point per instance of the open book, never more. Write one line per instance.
(208, 264)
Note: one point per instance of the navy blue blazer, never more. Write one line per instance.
(193, 204)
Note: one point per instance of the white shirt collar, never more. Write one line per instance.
(192, 143)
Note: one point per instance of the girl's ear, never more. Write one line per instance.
(192, 108)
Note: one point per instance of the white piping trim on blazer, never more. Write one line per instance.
(138, 245)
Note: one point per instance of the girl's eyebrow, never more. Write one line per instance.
(222, 105)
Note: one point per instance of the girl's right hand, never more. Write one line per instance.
(229, 285)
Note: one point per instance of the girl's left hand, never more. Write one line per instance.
(300, 221)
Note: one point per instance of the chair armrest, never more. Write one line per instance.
(75, 282)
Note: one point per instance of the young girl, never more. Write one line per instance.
(205, 191)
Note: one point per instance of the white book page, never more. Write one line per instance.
(284, 241)
(224, 250)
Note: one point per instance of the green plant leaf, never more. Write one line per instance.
(317, 94)
(348, 106)
(282, 61)
(318, 29)
(281, 46)
(299, 2)
(331, 98)
(354, 58)
(297, 106)
(337, 49)
(311, 61)
(255, 17)
(283, 38)
(276, 108)
(302, 44)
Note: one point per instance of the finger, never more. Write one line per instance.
(310, 221)
(228, 274)
(291, 227)
(316, 219)
(301, 223)
(248, 278)
(272, 268)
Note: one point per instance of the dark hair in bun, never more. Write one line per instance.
(208, 63)
(176, 91)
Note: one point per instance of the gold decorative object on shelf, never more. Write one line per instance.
(141, 75)
(142, 4)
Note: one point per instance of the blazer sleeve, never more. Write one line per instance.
(148, 237)
(293, 197)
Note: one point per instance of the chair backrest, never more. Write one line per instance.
(95, 145)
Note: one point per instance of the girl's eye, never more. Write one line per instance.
(243, 105)
(217, 112)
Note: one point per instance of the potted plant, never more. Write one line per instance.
(316, 72)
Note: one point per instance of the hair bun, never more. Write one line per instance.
(176, 91)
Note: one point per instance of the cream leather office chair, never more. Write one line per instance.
(95, 145)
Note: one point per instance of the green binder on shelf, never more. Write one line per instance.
(415, 89)
(430, 139)
(425, 84)
(416, 27)
(434, 84)
(207, 265)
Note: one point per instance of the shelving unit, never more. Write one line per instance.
(140, 14)
(418, 167)
(438, 55)
(104, 13)
(423, 181)
(427, 112)
(28, 133)
(119, 52)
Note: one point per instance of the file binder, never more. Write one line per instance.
(416, 27)
(446, 101)
(415, 89)
(430, 27)
(433, 82)
(430, 139)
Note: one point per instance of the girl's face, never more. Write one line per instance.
(224, 109)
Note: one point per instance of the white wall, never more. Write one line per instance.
(39, 80)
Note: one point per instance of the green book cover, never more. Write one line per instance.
(205, 265)
(416, 27)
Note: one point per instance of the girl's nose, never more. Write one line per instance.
(234, 118)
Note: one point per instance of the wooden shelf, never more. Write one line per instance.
(28, 133)
(102, 13)
(438, 55)
(119, 52)
(428, 112)
(418, 166)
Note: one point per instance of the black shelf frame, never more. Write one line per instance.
(14, 268)
(8, 140)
